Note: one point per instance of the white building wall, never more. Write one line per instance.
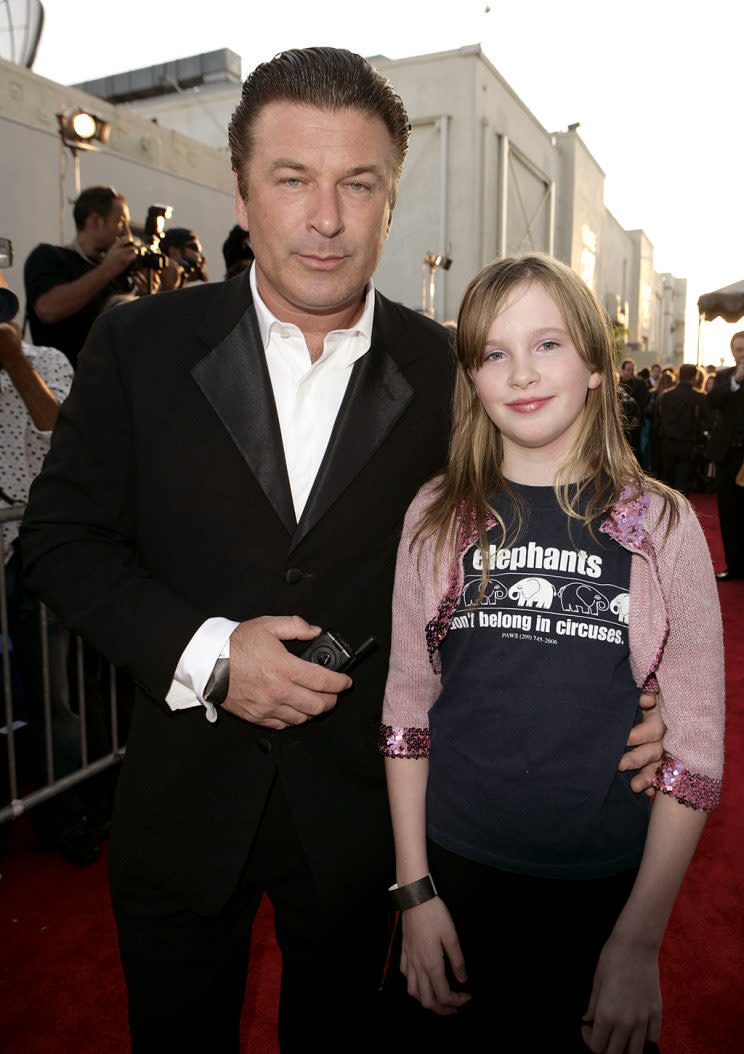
(671, 299)
(479, 179)
(483, 178)
(201, 113)
(583, 194)
(641, 329)
(613, 270)
(146, 163)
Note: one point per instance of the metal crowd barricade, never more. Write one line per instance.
(17, 802)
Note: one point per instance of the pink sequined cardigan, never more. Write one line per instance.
(676, 640)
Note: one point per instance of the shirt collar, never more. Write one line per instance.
(266, 319)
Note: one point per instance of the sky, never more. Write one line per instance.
(656, 87)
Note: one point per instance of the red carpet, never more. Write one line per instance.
(61, 990)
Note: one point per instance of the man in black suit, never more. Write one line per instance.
(684, 418)
(726, 449)
(230, 455)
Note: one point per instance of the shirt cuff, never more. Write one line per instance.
(197, 663)
(735, 386)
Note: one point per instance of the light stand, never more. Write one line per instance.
(78, 130)
(432, 261)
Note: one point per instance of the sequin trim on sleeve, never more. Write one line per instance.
(404, 742)
(689, 788)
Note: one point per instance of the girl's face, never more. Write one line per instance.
(533, 384)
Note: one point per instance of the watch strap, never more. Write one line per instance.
(414, 893)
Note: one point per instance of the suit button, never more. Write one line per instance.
(264, 745)
(293, 576)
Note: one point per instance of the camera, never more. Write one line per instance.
(329, 649)
(148, 257)
(8, 300)
(146, 260)
(191, 270)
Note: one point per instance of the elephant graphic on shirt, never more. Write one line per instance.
(620, 606)
(495, 591)
(532, 593)
(582, 598)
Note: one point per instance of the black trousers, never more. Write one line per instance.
(531, 947)
(679, 465)
(731, 509)
(186, 974)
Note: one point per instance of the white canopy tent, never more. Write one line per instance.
(726, 303)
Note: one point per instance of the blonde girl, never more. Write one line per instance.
(541, 582)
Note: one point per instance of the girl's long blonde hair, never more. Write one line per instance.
(600, 458)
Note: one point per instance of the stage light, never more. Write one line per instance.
(437, 260)
(82, 130)
(78, 130)
(84, 125)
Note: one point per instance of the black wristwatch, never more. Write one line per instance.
(215, 690)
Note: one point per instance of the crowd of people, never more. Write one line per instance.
(686, 428)
(228, 476)
(669, 437)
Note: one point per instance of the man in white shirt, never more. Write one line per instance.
(233, 468)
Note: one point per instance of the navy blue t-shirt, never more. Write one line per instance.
(537, 704)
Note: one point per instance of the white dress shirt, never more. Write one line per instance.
(308, 396)
(23, 446)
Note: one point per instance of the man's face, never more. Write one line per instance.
(191, 255)
(107, 229)
(737, 350)
(628, 368)
(656, 372)
(318, 212)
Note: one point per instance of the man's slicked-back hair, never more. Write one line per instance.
(327, 78)
(99, 200)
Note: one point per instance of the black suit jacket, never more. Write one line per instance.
(165, 501)
(685, 414)
(730, 422)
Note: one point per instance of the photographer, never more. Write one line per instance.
(182, 246)
(237, 251)
(67, 285)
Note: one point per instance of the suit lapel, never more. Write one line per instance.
(375, 398)
(235, 379)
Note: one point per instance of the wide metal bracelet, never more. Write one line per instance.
(414, 893)
(215, 690)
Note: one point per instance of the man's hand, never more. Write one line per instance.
(146, 281)
(118, 257)
(271, 687)
(646, 741)
(11, 351)
(170, 277)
